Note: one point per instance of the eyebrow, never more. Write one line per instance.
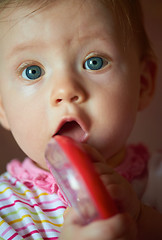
(96, 36)
(24, 47)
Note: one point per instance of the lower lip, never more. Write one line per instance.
(83, 139)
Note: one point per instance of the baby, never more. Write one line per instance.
(83, 69)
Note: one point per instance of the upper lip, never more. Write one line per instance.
(73, 119)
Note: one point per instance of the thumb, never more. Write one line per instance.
(66, 212)
(72, 216)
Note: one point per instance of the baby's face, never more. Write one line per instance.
(63, 71)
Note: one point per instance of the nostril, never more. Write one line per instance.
(58, 100)
(74, 99)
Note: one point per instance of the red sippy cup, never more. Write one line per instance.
(80, 184)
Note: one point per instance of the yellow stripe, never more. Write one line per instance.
(15, 191)
(5, 190)
(47, 221)
(23, 194)
(36, 221)
(2, 222)
(41, 195)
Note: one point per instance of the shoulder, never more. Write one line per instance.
(24, 209)
(153, 191)
(6, 182)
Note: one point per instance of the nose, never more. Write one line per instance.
(68, 92)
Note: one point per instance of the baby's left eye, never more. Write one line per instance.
(95, 63)
(32, 72)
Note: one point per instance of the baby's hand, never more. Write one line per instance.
(118, 187)
(120, 190)
(120, 227)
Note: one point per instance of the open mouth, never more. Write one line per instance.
(74, 130)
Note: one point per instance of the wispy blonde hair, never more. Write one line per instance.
(127, 12)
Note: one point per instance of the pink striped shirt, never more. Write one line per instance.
(32, 206)
(29, 209)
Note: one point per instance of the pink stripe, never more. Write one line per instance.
(47, 202)
(23, 228)
(53, 209)
(5, 199)
(6, 230)
(3, 180)
(14, 183)
(54, 238)
(14, 235)
(40, 230)
(11, 205)
(49, 230)
(35, 231)
(9, 181)
(45, 210)
(31, 233)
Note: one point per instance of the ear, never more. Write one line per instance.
(3, 117)
(147, 82)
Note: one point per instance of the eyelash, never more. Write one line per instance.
(93, 58)
(25, 66)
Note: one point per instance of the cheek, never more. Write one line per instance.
(115, 114)
(28, 125)
(117, 102)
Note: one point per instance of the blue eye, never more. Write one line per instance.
(94, 63)
(32, 72)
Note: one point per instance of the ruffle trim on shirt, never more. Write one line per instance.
(135, 164)
(29, 174)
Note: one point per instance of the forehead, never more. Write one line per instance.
(60, 20)
(81, 12)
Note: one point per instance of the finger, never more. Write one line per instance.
(93, 153)
(107, 174)
(113, 228)
(102, 168)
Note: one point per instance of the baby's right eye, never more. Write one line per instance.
(32, 72)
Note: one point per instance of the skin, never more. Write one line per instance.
(103, 102)
(113, 90)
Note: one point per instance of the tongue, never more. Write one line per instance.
(73, 130)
